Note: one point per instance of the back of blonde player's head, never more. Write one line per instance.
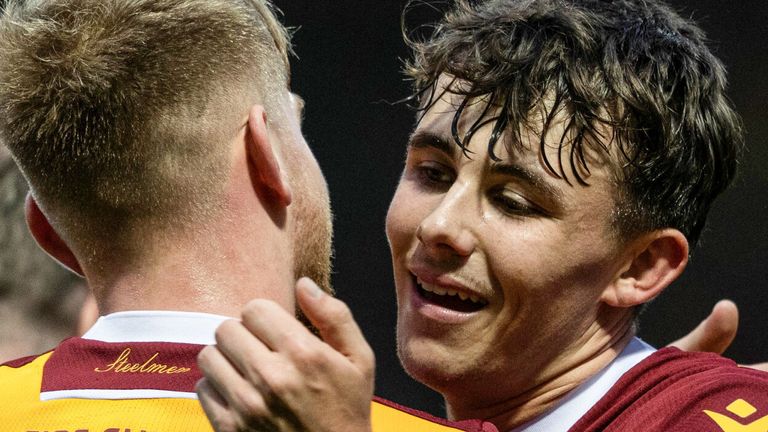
(118, 111)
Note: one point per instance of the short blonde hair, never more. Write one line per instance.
(120, 109)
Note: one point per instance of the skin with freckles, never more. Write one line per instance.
(539, 254)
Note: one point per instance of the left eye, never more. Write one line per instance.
(512, 205)
(434, 175)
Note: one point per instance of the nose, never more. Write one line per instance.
(447, 230)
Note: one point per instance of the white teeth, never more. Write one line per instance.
(449, 292)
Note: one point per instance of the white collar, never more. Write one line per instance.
(156, 326)
(584, 397)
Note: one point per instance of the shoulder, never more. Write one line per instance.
(20, 362)
(674, 390)
(21, 378)
(388, 416)
(24, 363)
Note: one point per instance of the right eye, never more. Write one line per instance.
(434, 175)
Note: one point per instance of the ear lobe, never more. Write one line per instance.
(47, 238)
(262, 156)
(659, 258)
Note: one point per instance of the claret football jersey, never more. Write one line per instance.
(136, 372)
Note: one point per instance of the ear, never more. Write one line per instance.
(47, 237)
(261, 155)
(656, 259)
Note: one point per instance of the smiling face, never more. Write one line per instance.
(499, 266)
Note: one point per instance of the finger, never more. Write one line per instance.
(275, 327)
(215, 407)
(715, 333)
(334, 321)
(243, 350)
(237, 393)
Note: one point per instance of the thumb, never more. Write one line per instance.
(715, 333)
(335, 322)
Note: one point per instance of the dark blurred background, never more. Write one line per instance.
(348, 69)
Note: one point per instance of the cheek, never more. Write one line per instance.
(402, 220)
(535, 270)
(313, 169)
(520, 249)
(549, 275)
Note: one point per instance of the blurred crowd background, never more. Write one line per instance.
(40, 301)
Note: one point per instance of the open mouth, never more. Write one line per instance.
(449, 298)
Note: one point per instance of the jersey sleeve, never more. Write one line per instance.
(675, 391)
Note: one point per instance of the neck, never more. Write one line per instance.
(582, 360)
(218, 274)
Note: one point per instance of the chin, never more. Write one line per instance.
(429, 363)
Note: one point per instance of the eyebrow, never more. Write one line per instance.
(425, 139)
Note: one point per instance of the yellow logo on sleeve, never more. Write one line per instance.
(742, 409)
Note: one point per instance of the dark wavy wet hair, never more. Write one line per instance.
(634, 66)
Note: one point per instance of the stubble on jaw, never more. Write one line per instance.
(312, 243)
